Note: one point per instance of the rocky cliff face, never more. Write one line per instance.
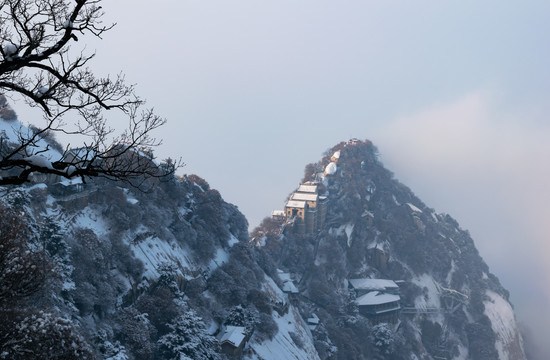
(452, 307)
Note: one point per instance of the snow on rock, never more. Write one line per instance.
(503, 323)
(331, 169)
(273, 291)
(282, 347)
(132, 200)
(346, 229)
(462, 353)
(414, 208)
(90, 219)
(449, 277)
(349, 230)
(232, 240)
(395, 200)
(430, 297)
(153, 252)
(368, 213)
(219, 259)
(11, 132)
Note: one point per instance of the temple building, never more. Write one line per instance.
(306, 209)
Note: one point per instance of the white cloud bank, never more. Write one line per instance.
(489, 169)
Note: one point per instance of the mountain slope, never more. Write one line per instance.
(452, 306)
(103, 270)
(138, 275)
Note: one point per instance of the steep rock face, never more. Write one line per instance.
(452, 306)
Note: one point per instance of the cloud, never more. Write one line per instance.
(485, 164)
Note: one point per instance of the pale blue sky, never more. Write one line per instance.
(454, 94)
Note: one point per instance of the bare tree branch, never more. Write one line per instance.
(39, 65)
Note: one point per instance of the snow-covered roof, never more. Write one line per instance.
(278, 213)
(313, 319)
(304, 196)
(373, 284)
(289, 287)
(306, 188)
(73, 181)
(288, 284)
(296, 204)
(284, 276)
(331, 169)
(336, 155)
(376, 298)
(233, 335)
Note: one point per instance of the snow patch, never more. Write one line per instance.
(89, 219)
(462, 353)
(346, 229)
(430, 298)
(282, 347)
(275, 293)
(395, 200)
(414, 208)
(219, 259)
(331, 169)
(153, 251)
(232, 240)
(451, 272)
(503, 323)
(349, 230)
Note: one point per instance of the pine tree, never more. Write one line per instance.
(188, 340)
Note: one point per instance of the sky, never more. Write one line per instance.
(453, 93)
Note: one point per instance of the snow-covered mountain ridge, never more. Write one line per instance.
(173, 273)
(140, 275)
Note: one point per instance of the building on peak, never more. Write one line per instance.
(306, 210)
(308, 187)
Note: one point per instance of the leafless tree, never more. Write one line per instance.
(41, 64)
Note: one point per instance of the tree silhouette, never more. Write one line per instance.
(41, 65)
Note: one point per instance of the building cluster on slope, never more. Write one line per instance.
(306, 210)
(377, 299)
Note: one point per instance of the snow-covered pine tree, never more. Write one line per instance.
(188, 340)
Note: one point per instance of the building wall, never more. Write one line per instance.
(376, 313)
(321, 214)
(310, 221)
